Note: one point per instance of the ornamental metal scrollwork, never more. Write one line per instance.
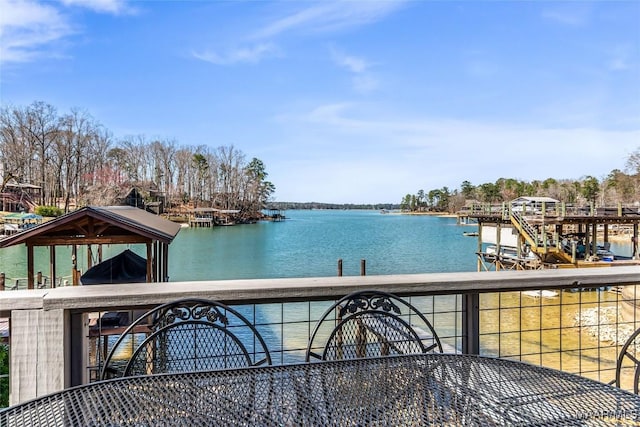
(373, 302)
(385, 304)
(196, 312)
(213, 314)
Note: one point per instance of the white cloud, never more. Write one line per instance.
(115, 7)
(620, 58)
(363, 81)
(252, 55)
(28, 29)
(351, 63)
(377, 158)
(320, 17)
(573, 14)
(330, 16)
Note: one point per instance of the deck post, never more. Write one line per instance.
(37, 356)
(76, 360)
(471, 323)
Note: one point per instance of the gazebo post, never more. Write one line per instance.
(52, 265)
(89, 256)
(155, 268)
(149, 262)
(74, 265)
(165, 262)
(29, 266)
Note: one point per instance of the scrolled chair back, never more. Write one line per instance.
(369, 324)
(183, 336)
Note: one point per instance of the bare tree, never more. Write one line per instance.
(75, 159)
(163, 165)
(184, 176)
(80, 147)
(15, 153)
(41, 129)
(230, 164)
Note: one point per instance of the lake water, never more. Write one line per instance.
(307, 244)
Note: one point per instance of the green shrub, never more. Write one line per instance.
(49, 211)
(4, 376)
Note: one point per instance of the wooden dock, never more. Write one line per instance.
(202, 217)
(275, 215)
(557, 235)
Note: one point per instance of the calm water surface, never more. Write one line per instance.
(309, 244)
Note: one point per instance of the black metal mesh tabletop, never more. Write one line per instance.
(417, 390)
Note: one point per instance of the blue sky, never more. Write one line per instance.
(350, 101)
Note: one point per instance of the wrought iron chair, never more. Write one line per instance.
(629, 351)
(183, 336)
(369, 324)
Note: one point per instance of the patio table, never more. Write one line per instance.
(410, 390)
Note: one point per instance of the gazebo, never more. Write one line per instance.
(99, 226)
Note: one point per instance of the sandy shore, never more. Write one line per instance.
(605, 324)
(618, 238)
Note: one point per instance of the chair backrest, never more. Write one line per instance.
(369, 324)
(184, 336)
(629, 353)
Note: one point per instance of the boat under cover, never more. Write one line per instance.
(126, 267)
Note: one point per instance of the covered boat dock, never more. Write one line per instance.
(109, 225)
(545, 233)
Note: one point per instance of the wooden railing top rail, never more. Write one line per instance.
(140, 295)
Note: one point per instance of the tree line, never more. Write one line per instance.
(332, 206)
(76, 161)
(617, 187)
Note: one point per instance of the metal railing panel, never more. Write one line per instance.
(572, 320)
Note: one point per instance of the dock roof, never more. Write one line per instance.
(534, 199)
(94, 225)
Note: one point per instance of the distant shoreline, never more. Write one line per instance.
(614, 238)
(439, 214)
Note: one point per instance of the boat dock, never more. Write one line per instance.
(202, 217)
(209, 217)
(275, 215)
(540, 232)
